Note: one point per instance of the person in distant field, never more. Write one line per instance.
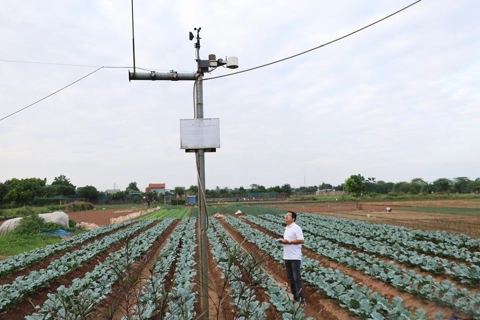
(148, 203)
(292, 254)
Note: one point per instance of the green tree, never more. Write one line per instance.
(474, 185)
(180, 191)
(256, 188)
(22, 191)
(369, 184)
(427, 188)
(132, 187)
(442, 185)
(383, 187)
(275, 189)
(63, 186)
(461, 185)
(3, 191)
(242, 192)
(416, 185)
(90, 193)
(287, 189)
(325, 186)
(401, 187)
(356, 186)
(193, 189)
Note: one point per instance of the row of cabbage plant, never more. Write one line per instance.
(394, 235)
(357, 299)
(20, 261)
(248, 275)
(153, 296)
(81, 298)
(461, 272)
(24, 285)
(182, 297)
(443, 293)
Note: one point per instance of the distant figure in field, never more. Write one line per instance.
(292, 254)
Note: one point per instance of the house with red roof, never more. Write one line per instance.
(158, 188)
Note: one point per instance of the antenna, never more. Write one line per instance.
(133, 39)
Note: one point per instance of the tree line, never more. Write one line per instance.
(32, 191)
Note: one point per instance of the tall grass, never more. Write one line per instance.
(29, 211)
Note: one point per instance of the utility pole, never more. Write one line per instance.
(202, 67)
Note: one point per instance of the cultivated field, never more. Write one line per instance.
(358, 264)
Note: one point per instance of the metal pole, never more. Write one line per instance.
(202, 212)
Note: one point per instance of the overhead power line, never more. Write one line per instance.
(317, 47)
(51, 94)
(81, 65)
(222, 76)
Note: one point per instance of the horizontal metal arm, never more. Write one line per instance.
(153, 75)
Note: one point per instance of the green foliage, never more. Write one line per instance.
(41, 202)
(180, 191)
(88, 192)
(442, 185)
(71, 224)
(78, 206)
(24, 211)
(193, 190)
(12, 243)
(355, 185)
(169, 212)
(21, 191)
(31, 225)
(132, 186)
(178, 202)
(62, 186)
(28, 211)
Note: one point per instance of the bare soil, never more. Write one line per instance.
(100, 217)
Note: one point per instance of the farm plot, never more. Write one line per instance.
(366, 246)
(169, 213)
(149, 270)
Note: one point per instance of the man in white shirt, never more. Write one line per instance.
(292, 254)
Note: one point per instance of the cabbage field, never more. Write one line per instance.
(149, 269)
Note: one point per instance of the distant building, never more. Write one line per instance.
(158, 188)
(112, 191)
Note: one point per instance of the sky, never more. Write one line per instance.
(396, 101)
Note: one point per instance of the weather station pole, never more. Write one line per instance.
(199, 135)
(202, 205)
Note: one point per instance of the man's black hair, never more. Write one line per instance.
(294, 215)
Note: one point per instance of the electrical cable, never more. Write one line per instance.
(315, 48)
(51, 94)
(197, 54)
(83, 65)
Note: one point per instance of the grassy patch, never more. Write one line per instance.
(173, 212)
(28, 235)
(28, 211)
(467, 211)
(12, 243)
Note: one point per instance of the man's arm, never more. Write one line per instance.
(285, 241)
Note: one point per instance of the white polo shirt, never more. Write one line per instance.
(292, 251)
